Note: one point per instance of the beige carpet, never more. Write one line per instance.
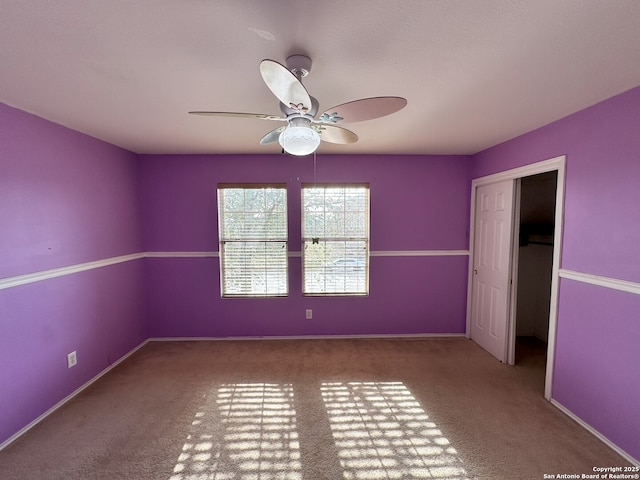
(308, 410)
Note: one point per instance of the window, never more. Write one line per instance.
(252, 226)
(335, 239)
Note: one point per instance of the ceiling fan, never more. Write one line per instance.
(304, 129)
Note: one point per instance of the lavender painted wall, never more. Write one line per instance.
(597, 372)
(96, 313)
(602, 196)
(65, 198)
(417, 203)
(597, 355)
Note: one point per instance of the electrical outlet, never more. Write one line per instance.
(72, 359)
(308, 314)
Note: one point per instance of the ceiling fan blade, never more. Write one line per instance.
(335, 134)
(272, 136)
(261, 116)
(285, 85)
(363, 109)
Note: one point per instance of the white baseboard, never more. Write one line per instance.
(596, 433)
(405, 336)
(33, 423)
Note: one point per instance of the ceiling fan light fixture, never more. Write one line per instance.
(299, 140)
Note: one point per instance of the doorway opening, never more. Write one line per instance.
(533, 256)
(496, 205)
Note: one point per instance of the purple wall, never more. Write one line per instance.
(65, 198)
(417, 203)
(597, 372)
(602, 196)
(597, 355)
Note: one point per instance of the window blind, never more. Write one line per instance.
(335, 239)
(252, 227)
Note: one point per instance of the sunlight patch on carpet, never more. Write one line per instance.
(382, 432)
(245, 431)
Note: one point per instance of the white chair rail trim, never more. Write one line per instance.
(607, 282)
(15, 281)
(18, 280)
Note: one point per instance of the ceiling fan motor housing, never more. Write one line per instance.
(299, 65)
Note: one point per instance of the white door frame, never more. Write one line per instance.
(515, 259)
(557, 164)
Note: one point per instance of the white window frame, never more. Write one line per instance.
(335, 256)
(251, 255)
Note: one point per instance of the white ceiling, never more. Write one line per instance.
(475, 72)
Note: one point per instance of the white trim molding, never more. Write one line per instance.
(549, 165)
(392, 336)
(62, 271)
(406, 253)
(298, 254)
(607, 282)
(181, 254)
(72, 395)
(419, 253)
(18, 280)
(595, 432)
